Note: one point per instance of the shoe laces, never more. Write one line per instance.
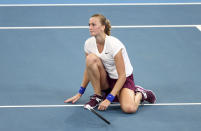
(94, 97)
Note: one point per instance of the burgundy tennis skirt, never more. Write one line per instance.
(129, 83)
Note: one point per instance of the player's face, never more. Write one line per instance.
(95, 27)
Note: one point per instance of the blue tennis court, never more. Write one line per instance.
(42, 63)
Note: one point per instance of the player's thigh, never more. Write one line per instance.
(127, 100)
(103, 74)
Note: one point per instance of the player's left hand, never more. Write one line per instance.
(104, 105)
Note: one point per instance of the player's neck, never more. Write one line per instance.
(100, 39)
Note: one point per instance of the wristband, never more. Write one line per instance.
(110, 97)
(82, 90)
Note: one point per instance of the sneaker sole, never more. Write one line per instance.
(85, 106)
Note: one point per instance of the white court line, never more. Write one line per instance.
(86, 27)
(199, 27)
(80, 105)
(101, 4)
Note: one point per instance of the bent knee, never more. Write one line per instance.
(129, 108)
(91, 59)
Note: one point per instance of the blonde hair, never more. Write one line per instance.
(104, 21)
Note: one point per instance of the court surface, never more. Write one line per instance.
(42, 64)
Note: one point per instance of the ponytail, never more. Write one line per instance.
(107, 27)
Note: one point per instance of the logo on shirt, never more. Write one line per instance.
(107, 53)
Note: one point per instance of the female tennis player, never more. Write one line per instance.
(109, 70)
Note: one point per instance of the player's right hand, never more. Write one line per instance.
(73, 99)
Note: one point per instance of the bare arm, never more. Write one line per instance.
(120, 66)
(84, 84)
(85, 80)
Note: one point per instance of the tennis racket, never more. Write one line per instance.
(97, 114)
